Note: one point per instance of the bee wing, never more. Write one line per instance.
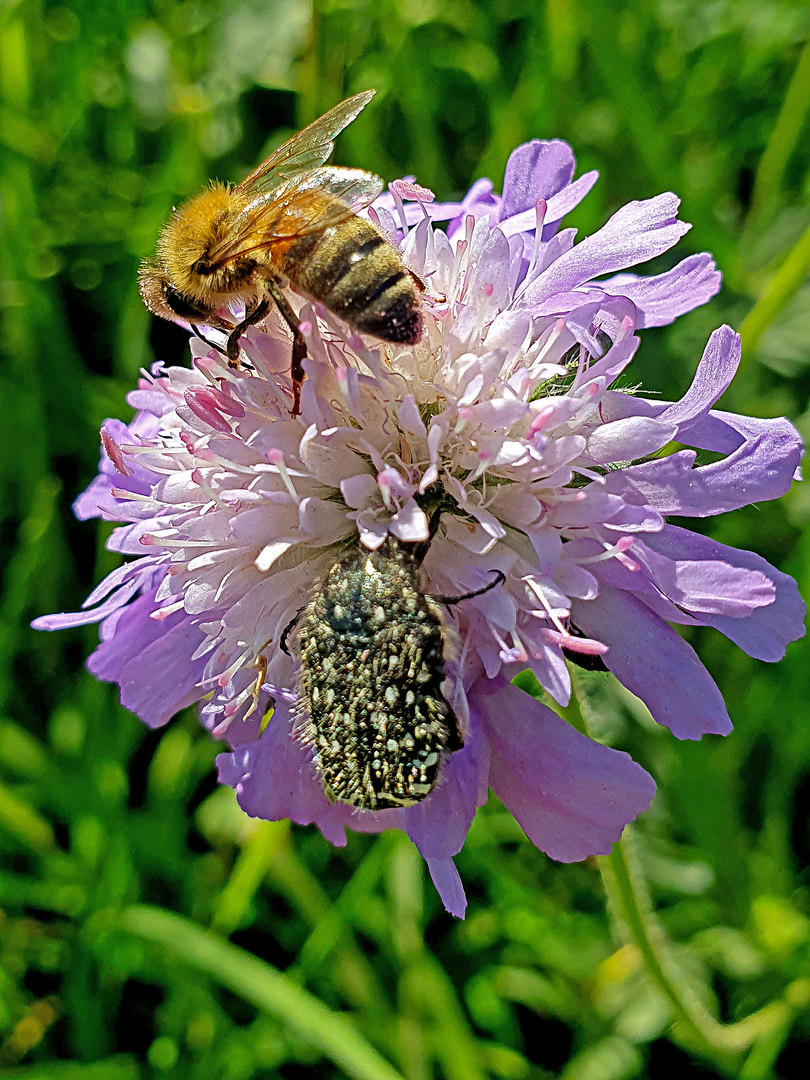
(324, 198)
(305, 151)
(304, 205)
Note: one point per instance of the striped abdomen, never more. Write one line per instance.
(354, 271)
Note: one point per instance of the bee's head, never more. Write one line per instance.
(184, 253)
(163, 299)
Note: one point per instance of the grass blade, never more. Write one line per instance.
(263, 986)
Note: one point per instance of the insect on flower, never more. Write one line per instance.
(372, 680)
(292, 220)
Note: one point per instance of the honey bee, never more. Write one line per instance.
(293, 220)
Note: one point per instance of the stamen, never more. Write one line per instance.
(225, 676)
(163, 613)
(538, 592)
(613, 551)
(153, 540)
(133, 496)
(204, 405)
(550, 341)
(385, 490)
(400, 207)
(587, 646)
(542, 417)
(113, 452)
(236, 704)
(484, 457)
(276, 457)
(540, 208)
(198, 478)
(409, 189)
(222, 727)
(517, 654)
(626, 327)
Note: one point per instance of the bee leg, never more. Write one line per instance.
(299, 346)
(251, 318)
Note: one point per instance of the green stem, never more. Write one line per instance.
(626, 886)
(263, 986)
(725, 1042)
(785, 135)
(254, 860)
(787, 280)
(630, 901)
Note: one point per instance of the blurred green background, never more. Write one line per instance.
(144, 921)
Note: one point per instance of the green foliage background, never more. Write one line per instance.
(145, 923)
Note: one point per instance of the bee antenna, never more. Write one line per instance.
(500, 578)
(210, 344)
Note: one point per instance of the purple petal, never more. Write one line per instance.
(762, 468)
(692, 579)
(762, 631)
(723, 432)
(570, 795)
(637, 232)
(556, 208)
(535, 170)
(702, 575)
(654, 663)
(551, 671)
(150, 659)
(564, 201)
(438, 825)
(132, 571)
(720, 432)
(275, 779)
(131, 577)
(716, 369)
(66, 620)
(630, 438)
(766, 631)
(446, 878)
(97, 499)
(663, 298)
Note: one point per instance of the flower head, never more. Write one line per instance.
(506, 429)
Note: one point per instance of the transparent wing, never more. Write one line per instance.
(303, 206)
(305, 151)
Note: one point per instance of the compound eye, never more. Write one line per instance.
(182, 307)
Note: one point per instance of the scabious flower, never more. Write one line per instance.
(509, 415)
